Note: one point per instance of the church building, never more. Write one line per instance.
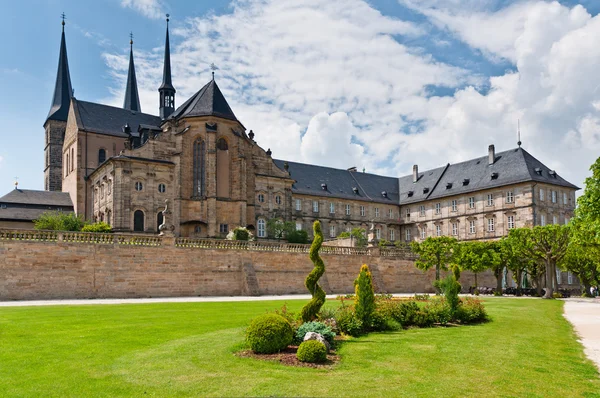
(119, 165)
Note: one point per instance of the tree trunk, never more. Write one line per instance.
(538, 285)
(437, 272)
(549, 280)
(587, 289)
(476, 283)
(498, 275)
(519, 279)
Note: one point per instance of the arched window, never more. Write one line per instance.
(262, 228)
(101, 156)
(72, 159)
(199, 171)
(138, 221)
(159, 220)
(222, 168)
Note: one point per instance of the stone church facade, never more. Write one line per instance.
(119, 165)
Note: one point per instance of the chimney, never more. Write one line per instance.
(491, 154)
(415, 173)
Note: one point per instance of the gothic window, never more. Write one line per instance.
(101, 156)
(199, 170)
(138, 221)
(159, 220)
(222, 168)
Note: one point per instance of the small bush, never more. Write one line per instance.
(297, 237)
(423, 318)
(100, 227)
(269, 333)
(240, 233)
(471, 310)
(59, 221)
(408, 313)
(382, 321)
(316, 327)
(422, 297)
(348, 323)
(312, 351)
(289, 316)
(439, 311)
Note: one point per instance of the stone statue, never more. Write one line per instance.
(165, 228)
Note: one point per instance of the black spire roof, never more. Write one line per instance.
(59, 109)
(132, 98)
(209, 101)
(166, 82)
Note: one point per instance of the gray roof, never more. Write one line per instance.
(132, 97)
(43, 198)
(341, 183)
(59, 109)
(209, 101)
(104, 119)
(510, 167)
(25, 214)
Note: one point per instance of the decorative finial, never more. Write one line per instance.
(269, 152)
(16, 182)
(251, 135)
(131, 39)
(519, 132)
(168, 19)
(63, 16)
(214, 68)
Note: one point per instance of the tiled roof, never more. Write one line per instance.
(209, 101)
(341, 183)
(44, 198)
(109, 120)
(510, 167)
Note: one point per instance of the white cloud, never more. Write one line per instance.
(149, 8)
(327, 83)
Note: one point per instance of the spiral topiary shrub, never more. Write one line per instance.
(269, 333)
(310, 310)
(312, 351)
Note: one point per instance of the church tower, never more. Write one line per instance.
(56, 122)
(166, 89)
(132, 98)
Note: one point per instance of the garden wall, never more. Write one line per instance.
(37, 265)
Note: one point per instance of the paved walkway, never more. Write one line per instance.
(584, 314)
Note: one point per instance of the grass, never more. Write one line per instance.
(186, 349)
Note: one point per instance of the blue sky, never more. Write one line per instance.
(381, 84)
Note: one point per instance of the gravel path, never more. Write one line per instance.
(584, 314)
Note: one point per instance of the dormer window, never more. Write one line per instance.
(465, 182)
(449, 185)
(494, 176)
(552, 173)
(384, 194)
(355, 190)
(324, 187)
(410, 194)
(425, 190)
(538, 171)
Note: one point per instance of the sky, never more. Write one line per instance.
(380, 84)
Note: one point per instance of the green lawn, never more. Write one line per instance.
(187, 350)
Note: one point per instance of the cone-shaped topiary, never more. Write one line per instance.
(310, 310)
(364, 301)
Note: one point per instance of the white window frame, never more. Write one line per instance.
(454, 204)
(454, 229)
(510, 197)
(377, 212)
(422, 211)
(558, 276)
(261, 228)
(390, 213)
(331, 208)
(567, 220)
(298, 226)
(491, 225)
(423, 232)
(407, 236)
(438, 208)
(278, 199)
(261, 198)
(298, 204)
(408, 213)
(490, 199)
(554, 220)
(569, 277)
(472, 202)
(510, 221)
(543, 220)
(362, 211)
(438, 230)
(347, 210)
(542, 194)
(332, 231)
(315, 206)
(392, 235)
(472, 227)
(553, 196)
(378, 233)
(139, 186)
(565, 201)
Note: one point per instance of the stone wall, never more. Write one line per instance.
(52, 265)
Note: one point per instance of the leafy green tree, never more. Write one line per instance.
(59, 221)
(546, 245)
(300, 236)
(359, 235)
(584, 262)
(472, 256)
(278, 229)
(586, 224)
(434, 252)
(364, 301)
(518, 263)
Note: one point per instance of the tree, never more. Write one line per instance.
(547, 245)
(586, 224)
(364, 301)
(310, 310)
(359, 235)
(278, 229)
(434, 252)
(100, 227)
(473, 256)
(59, 221)
(518, 263)
(584, 262)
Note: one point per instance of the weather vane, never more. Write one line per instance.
(168, 18)
(16, 182)
(63, 16)
(131, 38)
(214, 68)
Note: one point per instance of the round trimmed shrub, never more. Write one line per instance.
(312, 351)
(269, 333)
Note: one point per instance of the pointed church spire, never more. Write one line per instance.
(59, 109)
(132, 98)
(166, 89)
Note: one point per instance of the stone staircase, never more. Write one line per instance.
(250, 282)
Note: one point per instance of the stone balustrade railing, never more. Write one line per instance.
(190, 243)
